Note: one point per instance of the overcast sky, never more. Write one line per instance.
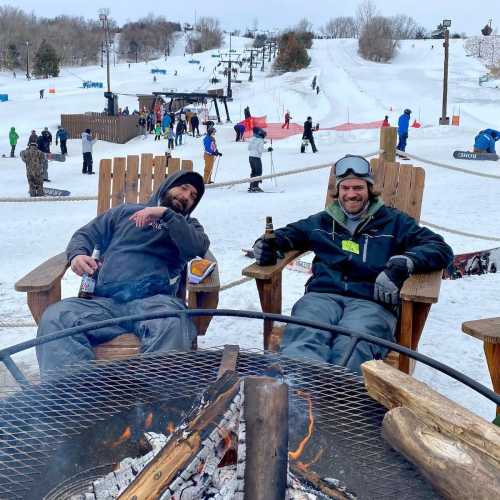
(466, 15)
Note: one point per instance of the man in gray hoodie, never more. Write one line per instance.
(144, 249)
(87, 143)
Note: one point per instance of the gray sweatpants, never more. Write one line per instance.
(358, 315)
(156, 335)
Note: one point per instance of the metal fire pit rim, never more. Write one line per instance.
(183, 314)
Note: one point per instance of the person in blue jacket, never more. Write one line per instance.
(239, 128)
(484, 142)
(210, 151)
(403, 126)
(62, 137)
(364, 251)
(144, 249)
(166, 122)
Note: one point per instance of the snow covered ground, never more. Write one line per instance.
(351, 88)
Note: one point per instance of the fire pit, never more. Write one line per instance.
(57, 438)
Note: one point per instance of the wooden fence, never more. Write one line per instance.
(117, 129)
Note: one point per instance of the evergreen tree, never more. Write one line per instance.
(292, 54)
(12, 60)
(46, 61)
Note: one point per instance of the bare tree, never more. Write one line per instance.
(206, 35)
(404, 27)
(365, 12)
(377, 40)
(341, 27)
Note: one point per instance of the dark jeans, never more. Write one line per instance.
(178, 139)
(195, 127)
(239, 135)
(64, 150)
(402, 142)
(256, 166)
(12, 150)
(87, 163)
(311, 142)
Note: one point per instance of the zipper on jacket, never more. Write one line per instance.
(365, 248)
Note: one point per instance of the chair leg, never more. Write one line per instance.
(492, 352)
(406, 334)
(270, 301)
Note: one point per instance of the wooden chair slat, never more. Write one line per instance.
(174, 165)
(390, 187)
(401, 201)
(417, 193)
(146, 177)
(187, 165)
(118, 182)
(132, 179)
(103, 198)
(160, 171)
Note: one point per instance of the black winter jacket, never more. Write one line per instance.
(308, 132)
(349, 264)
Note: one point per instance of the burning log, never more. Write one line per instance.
(266, 417)
(183, 454)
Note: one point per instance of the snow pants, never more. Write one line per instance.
(358, 315)
(402, 141)
(155, 335)
(87, 163)
(256, 169)
(209, 165)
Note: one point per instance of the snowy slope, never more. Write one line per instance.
(350, 87)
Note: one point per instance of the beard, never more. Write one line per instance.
(175, 204)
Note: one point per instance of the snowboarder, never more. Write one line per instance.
(288, 117)
(62, 136)
(34, 159)
(195, 124)
(42, 91)
(313, 83)
(255, 150)
(87, 143)
(239, 128)
(484, 142)
(158, 131)
(403, 126)
(145, 248)
(180, 130)
(386, 123)
(210, 152)
(247, 113)
(317, 89)
(354, 285)
(307, 136)
(13, 138)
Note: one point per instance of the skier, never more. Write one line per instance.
(484, 142)
(288, 117)
(126, 111)
(34, 159)
(195, 124)
(317, 89)
(307, 136)
(210, 152)
(13, 138)
(62, 136)
(247, 113)
(403, 125)
(87, 143)
(313, 83)
(255, 150)
(239, 128)
(180, 130)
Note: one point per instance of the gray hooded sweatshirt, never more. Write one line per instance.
(141, 262)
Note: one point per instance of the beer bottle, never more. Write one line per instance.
(270, 237)
(87, 285)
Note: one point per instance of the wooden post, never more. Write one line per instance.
(388, 139)
(266, 417)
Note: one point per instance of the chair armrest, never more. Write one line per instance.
(267, 272)
(487, 330)
(422, 287)
(45, 276)
(211, 283)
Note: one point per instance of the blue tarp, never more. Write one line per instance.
(88, 84)
(4, 97)
(159, 71)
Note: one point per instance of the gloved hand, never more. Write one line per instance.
(265, 251)
(269, 149)
(389, 281)
(218, 153)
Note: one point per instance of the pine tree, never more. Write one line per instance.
(292, 54)
(46, 61)
(13, 54)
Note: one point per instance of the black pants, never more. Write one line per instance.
(87, 163)
(195, 127)
(256, 166)
(12, 150)
(239, 135)
(64, 150)
(312, 143)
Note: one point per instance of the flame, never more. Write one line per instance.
(305, 467)
(149, 421)
(126, 434)
(294, 455)
(170, 427)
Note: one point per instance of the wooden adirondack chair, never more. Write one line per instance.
(121, 180)
(402, 187)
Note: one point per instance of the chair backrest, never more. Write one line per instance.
(402, 186)
(133, 179)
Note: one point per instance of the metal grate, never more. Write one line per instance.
(35, 421)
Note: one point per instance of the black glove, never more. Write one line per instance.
(265, 251)
(389, 281)
(269, 149)
(219, 154)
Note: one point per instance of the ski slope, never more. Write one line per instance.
(351, 90)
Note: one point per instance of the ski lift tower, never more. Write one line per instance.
(445, 120)
(112, 98)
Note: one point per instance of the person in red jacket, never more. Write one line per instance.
(386, 123)
(288, 117)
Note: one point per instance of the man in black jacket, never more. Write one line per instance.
(144, 249)
(307, 136)
(364, 251)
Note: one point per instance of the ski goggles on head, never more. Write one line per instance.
(354, 164)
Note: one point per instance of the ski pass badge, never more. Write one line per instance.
(350, 246)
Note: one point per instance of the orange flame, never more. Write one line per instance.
(294, 455)
(126, 434)
(170, 427)
(149, 421)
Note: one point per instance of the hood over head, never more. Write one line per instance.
(176, 179)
